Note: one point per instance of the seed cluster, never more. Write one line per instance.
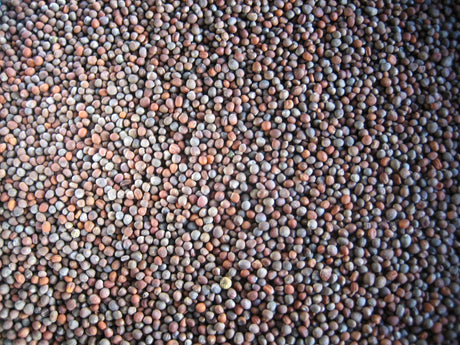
(229, 172)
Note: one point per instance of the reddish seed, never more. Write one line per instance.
(322, 156)
(200, 308)
(46, 227)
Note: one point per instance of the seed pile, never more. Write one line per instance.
(229, 172)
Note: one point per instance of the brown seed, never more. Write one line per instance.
(46, 227)
(27, 52)
(179, 101)
(200, 308)
(61, 319)
(346, 199)
(94, 300)
(38, 60)
(386, 82)
(11, 204)
(202, 201)
(392, 59)
(403, 223)
(307, 56)
(428, 307)
(322, 156)
(70, 287)
(174, 148)
(367, 140)
(20, 278)
(256, 67)
(326, 273)
(371, 100)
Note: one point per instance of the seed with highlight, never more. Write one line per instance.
(225, 283)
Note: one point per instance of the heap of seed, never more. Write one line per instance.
(228, 172)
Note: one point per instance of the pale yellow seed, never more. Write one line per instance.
(225, 283)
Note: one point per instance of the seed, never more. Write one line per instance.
(200, 308)
(225, 283)
(112, 90)
(391, 214)
(287, 171)
(406, 240)
(326, 273)
(46, 227)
